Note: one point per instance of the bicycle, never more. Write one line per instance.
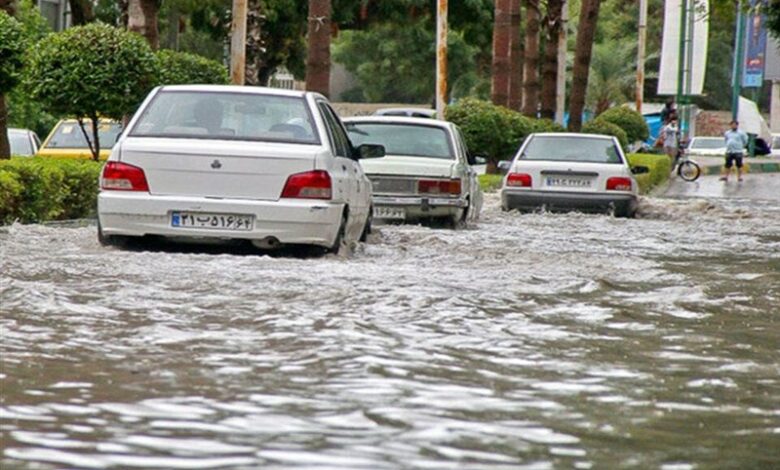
(685, 168)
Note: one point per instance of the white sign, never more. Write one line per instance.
(670, 50)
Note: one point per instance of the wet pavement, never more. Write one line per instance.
(528, 341)
(756, 186)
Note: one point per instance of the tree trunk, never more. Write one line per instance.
(142, 19)
(5, 146)
(515, 57)
(552, 30)
(318, 55)
(531, 59)
(254, 43)
(174, 17)
(499, 93)
(8, 6)
(81, 12)
(589, 14)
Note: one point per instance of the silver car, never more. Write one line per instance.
(24, 142)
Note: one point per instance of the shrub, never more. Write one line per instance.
(36, 190)
(178, 68)
(547, 125)
(660, 166)
(598, 126)
(629, 120)
(91, 71)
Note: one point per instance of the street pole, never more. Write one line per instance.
(739, 59)
(682, 62)
(560, 87)
(441, 58)
(640, 55)
(238, 42)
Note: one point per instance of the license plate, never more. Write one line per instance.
(568, 182)
(211, 221)
(389, 213)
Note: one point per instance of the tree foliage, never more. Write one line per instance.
(184, 68)
(12, 45)
(601, 126)
(92, 71)
(632, 123)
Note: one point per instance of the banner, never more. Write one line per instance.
(698, 15)
(755, 48)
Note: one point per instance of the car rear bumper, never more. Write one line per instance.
(621, 204)
(419, 207)
(287, 220)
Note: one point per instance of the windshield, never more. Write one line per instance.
(714, 143)
(20, 143)
(403, 139)
(227, 116)
(69, 135)
(571, 149)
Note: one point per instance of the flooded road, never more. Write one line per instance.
(529, 341)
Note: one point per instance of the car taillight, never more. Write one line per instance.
(619, 183)
(448, 187)
(119, 176)
(308, 185)
(519, 180)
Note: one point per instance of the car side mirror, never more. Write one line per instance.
(504, 166)
(476, 160)
(370, 151)
(639, 170)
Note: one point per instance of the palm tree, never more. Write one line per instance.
(81, 12)
(553, 21)
(318, 56)
(499, 92)
(612, 76)
(531, 59)
(142, 19)
(589, 14)
(515, 57)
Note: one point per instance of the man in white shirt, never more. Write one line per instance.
(736, 141)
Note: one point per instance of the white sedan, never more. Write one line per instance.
(209, 162)
(426, 173)
(582, 172)
(706, 147)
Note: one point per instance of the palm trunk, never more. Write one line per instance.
(318, 56)
(254, 43)
(515, 57)
(531, 59)
(81, 12)
(552, 29)
(499, 92)
(5, 146)
(142, 19)
(589, 14)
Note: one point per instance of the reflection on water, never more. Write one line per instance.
(533, 341)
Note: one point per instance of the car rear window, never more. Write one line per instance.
(708, 143)
(572, 149)
(69, 135)
(227, 116)
(403, 139)
(20, 143)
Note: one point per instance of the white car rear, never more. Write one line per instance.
(426, 173)
(581, 172)
(206, 162)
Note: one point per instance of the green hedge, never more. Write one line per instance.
(182, 68)
(597, 126)
(37, 189)
(659, 166)
(490, 183)
(632, 122)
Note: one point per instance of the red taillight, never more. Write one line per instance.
(119, 176)
(447, 187)
(619, 183)
(519, 180)
(309, 185)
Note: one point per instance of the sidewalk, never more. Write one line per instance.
(713, 165)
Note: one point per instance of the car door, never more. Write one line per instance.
(471, 180)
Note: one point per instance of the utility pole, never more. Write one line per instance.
(238, 42)
(640, 56)
(560, 87)
(739, 59)
(441, 58)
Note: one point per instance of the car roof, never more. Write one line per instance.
(706, 138)
(572, 134)
(238, 89)
(417, 121)
(409, 109)
(18, 130)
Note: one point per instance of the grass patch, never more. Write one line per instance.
(490, 183)
(660, 166)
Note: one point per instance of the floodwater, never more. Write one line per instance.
(528, 341)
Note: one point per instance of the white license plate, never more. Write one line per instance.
(389, 213)
(212, 221)
(568, 182)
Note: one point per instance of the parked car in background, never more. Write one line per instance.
(426, 173)
(775, 145)
(212, 162)
(408, 112)
(583, 172)
(66, 139)
(706, 147)
(24, 142)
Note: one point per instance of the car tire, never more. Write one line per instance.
(110, 240)
(338, 244)
(459, 220)
(367, 228)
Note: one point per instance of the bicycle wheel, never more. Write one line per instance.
(688, 170)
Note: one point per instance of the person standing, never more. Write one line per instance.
(669, 135)
(736, 141)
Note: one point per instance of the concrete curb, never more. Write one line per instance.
(750, 167)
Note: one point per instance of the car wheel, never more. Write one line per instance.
(110, 240)
(458, 220)
(338, 244)
(367, 227)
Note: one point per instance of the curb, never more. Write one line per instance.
(750, 167)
